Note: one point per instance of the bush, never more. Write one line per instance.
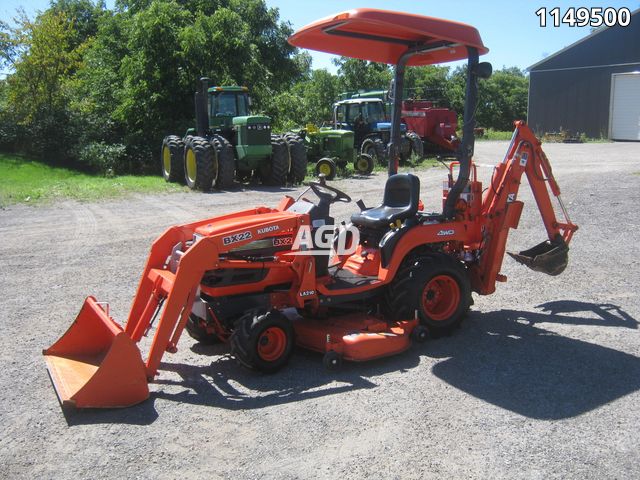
(108, 159)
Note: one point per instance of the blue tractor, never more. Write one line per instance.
(368, 120)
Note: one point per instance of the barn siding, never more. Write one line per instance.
(571, 89)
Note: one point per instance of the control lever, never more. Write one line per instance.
(361, 205)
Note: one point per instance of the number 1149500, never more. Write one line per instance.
(583, 16)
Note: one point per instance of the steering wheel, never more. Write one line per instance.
(324, 191)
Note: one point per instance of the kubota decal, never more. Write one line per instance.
(272, 228)
(237, 237)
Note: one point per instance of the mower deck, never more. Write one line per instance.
(356, 337)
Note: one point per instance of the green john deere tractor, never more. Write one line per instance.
(331, 149)
(229, 143)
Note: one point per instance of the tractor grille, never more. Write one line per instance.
(335, 146)
(258, 134)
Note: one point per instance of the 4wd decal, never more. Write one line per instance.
(443, 233)
(238, 237)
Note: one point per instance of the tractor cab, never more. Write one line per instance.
(358, 113)
(226, 103)
(364, 117)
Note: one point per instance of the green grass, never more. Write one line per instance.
(29, 181)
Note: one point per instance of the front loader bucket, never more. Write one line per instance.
(95, 364)
(550, 257)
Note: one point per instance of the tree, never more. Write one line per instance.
(501, 99)
(362, 75)
(35, 91)
(428, 82)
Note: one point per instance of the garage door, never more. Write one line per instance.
(624, 120)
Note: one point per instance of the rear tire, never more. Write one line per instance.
(405, 149)
(263, 341)
(363, 164)
(435, 285)
(297, 156)
(171, 158)
(374, 147)
(225, 162)
(199, 164)
(274, 171)
(417, 147)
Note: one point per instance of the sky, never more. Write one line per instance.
(509, 28)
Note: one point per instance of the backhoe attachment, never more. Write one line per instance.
(502, 209)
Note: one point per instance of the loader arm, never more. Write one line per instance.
(175, 291)
(501, 211)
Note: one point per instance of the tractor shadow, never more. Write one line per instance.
(505, 358)
(225, 384)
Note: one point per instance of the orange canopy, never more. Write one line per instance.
(383, 36)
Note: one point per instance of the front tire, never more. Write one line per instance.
(327, 167)
(171, 158)
(437, 287)
(263, 341)
(198, 332)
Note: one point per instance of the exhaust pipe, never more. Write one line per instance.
(550, 257)
(202, 103)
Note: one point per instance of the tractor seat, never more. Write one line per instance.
(401, 196)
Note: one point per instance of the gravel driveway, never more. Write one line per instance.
(541, 381)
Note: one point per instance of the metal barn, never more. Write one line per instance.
(591, 86)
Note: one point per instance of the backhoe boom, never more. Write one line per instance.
(502, 210)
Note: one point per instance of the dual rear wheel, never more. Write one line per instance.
(172, 158)
(208, 163)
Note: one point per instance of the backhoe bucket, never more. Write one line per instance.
(550, 257)
(95, 364)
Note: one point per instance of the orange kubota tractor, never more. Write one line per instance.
(264, 279)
